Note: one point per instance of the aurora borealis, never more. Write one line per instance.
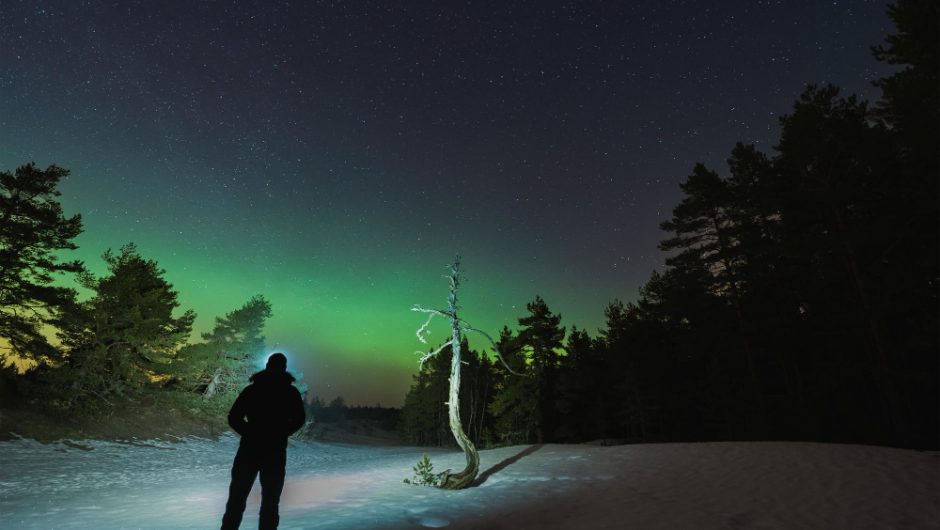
(334, 156)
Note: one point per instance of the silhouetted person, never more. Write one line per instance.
(265, 414)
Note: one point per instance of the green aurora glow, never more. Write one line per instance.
(341, 312)
(334, 157)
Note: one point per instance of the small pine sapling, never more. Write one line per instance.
(424, 474)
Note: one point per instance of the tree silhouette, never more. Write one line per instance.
(707, 234)
(33, 229)
(125, 336)
(235, 340)
(541, 338)
(910, 99)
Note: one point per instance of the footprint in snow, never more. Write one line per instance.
(433, 522)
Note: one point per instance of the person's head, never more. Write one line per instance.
(277, 362)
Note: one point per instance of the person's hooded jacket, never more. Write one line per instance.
(268, 410)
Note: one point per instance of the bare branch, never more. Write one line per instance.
(440, 312)
(423, 330)
(468, 327)
(428, 355)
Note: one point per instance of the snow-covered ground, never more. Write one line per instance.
(157, 485)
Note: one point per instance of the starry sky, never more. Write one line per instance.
(334, 156)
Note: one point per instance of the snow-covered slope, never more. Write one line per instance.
(671, 486)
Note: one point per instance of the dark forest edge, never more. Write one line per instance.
(799, 301)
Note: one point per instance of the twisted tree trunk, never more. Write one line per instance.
(465, 477)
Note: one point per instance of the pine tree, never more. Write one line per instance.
(708, 235)
(424, 474)
(423, 418)
(125, 336)
(33, 230)
(582, 407)
(910, 105)
(223, 362)
(241, 331)
(541, 338)
(515, 403)
(910, 99)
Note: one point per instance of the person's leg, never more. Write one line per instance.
(272, 482)
(244, 471)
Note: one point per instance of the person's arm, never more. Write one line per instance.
(236, 416)
(296, 414)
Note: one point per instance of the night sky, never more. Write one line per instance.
(334, 156)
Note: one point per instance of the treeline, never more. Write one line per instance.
(799, 299)
(336, 411)
(125, 341)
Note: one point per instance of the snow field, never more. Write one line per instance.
(722, 485)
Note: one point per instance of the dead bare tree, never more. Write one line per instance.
(458, 326)
(225, 375)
